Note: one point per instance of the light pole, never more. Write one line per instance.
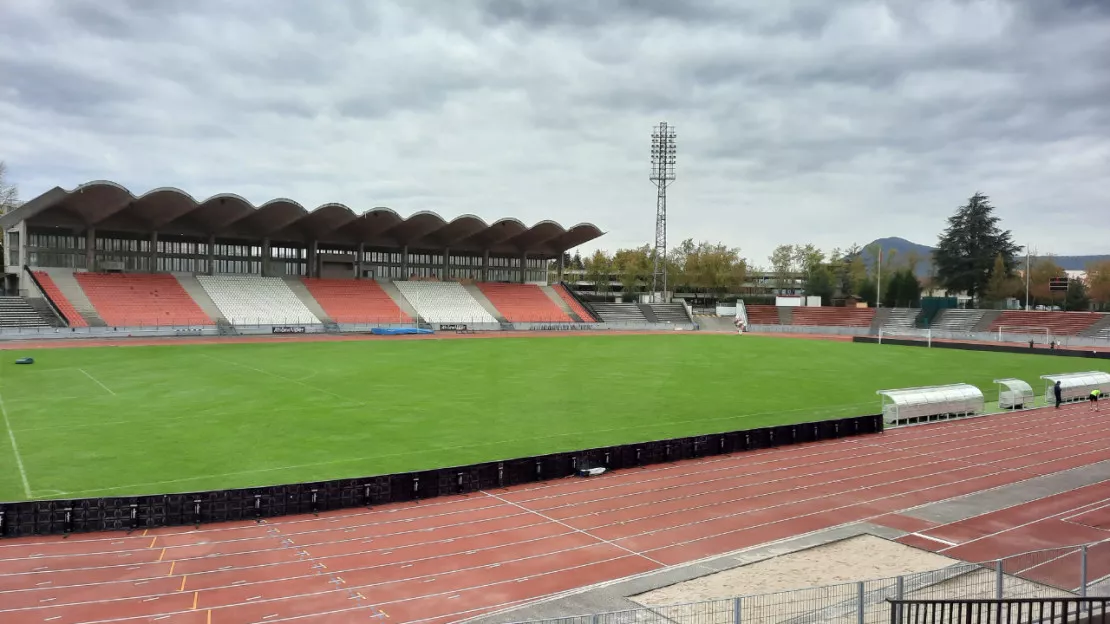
(662, 174)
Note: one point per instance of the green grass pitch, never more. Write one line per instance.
(140, 420)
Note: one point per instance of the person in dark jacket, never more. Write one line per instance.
(1057, 392)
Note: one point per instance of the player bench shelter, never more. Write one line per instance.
(1076, 386)
(913, 405)
(1014, 394)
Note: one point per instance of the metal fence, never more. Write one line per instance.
(1015, 611)
(1050, 573)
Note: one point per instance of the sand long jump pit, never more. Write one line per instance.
(822, 584)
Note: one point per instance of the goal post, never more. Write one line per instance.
(1024, 333)
(893, 333)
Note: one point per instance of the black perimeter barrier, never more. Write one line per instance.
(997, 348)
(159, 510)
(1013, 610)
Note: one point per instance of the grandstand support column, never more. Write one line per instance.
(313, 247)
(211, 254)
(358, 261)
(523, 267)
(405, 262)
(560, 266)
(265, 257)
(446, 262)
(485, 266)
(90, 248)
(153, 267)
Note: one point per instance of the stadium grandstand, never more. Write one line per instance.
(98, 255)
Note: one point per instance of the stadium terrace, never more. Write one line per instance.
(102, 226)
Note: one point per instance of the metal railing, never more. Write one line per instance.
(1041, 574)
(1015, 611)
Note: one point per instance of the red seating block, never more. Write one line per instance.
(762, 315)
(1059, 323)
(141, 299)
(576, 307)
(355, 301)
(72, 316)
(833, 317)
(523, 303)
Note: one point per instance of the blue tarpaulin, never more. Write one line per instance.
(400, 331)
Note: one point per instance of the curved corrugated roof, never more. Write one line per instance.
(106, 204)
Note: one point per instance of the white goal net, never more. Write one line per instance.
(1023, 334)
(906, 333)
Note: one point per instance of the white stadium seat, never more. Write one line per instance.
(255, 300)
(444, 302)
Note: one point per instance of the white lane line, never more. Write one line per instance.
(97, 382)
(935, 539)
(575, 529)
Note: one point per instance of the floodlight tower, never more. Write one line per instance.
(662, 174)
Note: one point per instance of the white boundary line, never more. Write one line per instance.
(1071, 519)
(576, 530)
(935, 539)
(97, 381)
(15, 449)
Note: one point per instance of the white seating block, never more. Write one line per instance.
(444, 302)
(256, 300)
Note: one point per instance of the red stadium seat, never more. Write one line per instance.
(575, 307)
(523, 303)
(72, 316)
(141, 299)
(355, 301)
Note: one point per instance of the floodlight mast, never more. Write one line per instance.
(662, 174)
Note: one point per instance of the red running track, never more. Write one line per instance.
(451, 559)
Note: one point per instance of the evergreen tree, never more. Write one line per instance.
(969, 246)
(1077, 299)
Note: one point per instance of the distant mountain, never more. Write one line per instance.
(904, 247)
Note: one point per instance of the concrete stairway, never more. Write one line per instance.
(480, 297)
(554, 296)
(882, 315)
(42, 306)
(984, 324)
(301, 291)
(391, 289)
(620, 313)
(66, 283)
(17, 312)
(669, 313)
(786, 315)
(1101, 329)
(192, 286)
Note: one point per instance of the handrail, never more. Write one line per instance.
(45, 295)
(582, 302)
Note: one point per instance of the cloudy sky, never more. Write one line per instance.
(819, 121)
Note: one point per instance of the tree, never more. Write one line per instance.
(1001, 283)
(820, 282)
(1041, 272)
(598, 269)
(849, 270)
(634, 267)
(1098, 283)
(9, 193)
(1076, 299)
(782, 266)
(969, 245)
(868, 291)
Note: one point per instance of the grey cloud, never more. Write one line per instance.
(857, 119)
